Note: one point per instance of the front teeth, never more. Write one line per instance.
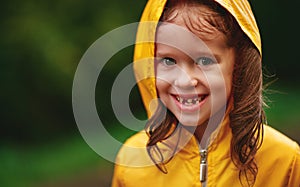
(189, 101)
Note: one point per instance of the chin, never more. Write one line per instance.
(191, 122)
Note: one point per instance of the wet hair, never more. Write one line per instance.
(247, 116)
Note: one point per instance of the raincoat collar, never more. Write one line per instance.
(185, 143)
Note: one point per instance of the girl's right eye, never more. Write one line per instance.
(168, 61)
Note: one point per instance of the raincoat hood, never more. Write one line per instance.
(144, 48)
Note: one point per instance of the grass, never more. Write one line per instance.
(29, 166)
(25, 166)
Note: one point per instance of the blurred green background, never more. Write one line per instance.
(41, 45)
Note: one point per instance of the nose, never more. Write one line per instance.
(186, 78)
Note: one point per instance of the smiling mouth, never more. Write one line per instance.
(190, 100)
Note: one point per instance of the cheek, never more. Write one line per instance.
(161, 86)
(220, 83)
(220, 80)
(228, 79)
(165, 78)
(228, 82)
(220, 88)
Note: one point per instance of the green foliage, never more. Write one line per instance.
(25, 166)
(42, 45)
(283, 110)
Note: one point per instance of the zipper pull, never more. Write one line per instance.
(203, 165)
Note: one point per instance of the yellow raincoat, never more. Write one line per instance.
(278, 159)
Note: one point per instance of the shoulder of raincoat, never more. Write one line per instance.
(278, 159)
(278, 162)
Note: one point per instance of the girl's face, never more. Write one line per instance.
(193, 72)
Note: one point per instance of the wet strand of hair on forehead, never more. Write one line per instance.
(205, 19)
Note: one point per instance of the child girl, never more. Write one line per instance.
(201, 83)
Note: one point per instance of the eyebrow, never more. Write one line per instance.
(166, 53)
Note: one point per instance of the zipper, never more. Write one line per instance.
(206, 141)
(203, 165)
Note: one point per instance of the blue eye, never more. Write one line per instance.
(168, 61)
(204, 61)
